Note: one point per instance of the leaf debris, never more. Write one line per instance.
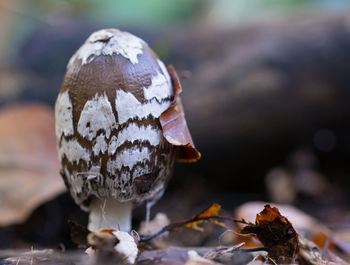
(276, 233)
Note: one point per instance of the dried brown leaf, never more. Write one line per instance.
(303, 224)
(211, 211)
(276, 233)
(29, 168)
(174, 124)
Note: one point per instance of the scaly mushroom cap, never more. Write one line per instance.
(107, 112)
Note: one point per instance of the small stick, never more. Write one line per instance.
(185, 222)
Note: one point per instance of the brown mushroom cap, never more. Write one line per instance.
(107, 120)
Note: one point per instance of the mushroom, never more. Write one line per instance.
(111, 143)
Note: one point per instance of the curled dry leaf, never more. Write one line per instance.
(276, 233)
(303, 223)
(174, 124)
(29, 169)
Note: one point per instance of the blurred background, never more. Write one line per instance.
(266, 94)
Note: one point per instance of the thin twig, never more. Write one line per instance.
(253, 249)
(185, 222)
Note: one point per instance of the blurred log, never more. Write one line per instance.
(258, 93)
(255, 94)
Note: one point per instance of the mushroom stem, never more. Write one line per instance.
(110, 213)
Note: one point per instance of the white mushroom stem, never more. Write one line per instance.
(110, 214)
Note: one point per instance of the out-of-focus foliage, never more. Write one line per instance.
(19, 18)
(136, 12)
(151, 12)
(226, 13)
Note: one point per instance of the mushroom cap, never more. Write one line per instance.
(110, 141)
